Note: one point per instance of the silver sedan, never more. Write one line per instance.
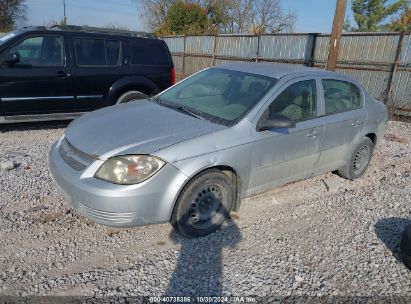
(190, 154)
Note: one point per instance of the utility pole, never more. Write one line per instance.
(64, 9)
(336, 34)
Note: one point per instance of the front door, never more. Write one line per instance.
(40, 82)
(284, 155)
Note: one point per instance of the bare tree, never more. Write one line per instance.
(268, 17)
(155, 11)
(12, 13)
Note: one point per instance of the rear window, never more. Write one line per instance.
(340, 96)
(149, 53)
(97, 52)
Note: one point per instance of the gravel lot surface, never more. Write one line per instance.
(301, 239)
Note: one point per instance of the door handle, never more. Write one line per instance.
(62, 74)
(313, 134)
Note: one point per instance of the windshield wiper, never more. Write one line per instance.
(187, 111)
(177, 107)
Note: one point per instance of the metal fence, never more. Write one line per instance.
(380, 61)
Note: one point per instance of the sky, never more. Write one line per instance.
(312, 15)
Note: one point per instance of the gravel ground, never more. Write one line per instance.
(296, 240)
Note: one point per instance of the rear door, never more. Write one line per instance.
(40, 83)
(99, 61)
(344, 117)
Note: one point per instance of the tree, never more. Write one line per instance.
(12, 12)
(184, 19)
(227, 16)
(369, 15)
(403, 23)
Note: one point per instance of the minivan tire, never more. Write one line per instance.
(358, 160)
(131, 95)
(203, 204)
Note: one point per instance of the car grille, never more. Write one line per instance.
(105, 216)
(73, 157)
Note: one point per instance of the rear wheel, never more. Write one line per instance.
(358, 160)
(130, 95)
(204, 204)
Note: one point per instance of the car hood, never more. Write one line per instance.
(140, 127)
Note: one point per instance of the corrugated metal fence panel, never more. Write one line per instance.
(401, 91)
(375, 82)
(321, 49)
(364, 48)
(175, 44)
(237, 46)
(405, 58)
(195, 64)
(286, 47)
(200, 44)
(177, 60)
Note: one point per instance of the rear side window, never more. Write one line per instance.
(97, 52)
(340, 96)
(40, 51)
(149, 53)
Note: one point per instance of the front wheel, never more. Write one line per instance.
(204, 204)
(359, 159)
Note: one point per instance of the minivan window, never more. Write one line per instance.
(340, 96)
(149, 53)
(219, 95)
(97, 52)
(40, 51)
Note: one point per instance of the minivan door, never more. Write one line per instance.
(98, 63)
(40, 82)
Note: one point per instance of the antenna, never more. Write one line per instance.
(64, 9)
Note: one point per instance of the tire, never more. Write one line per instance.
(129, 96)
(406, 247)
(358, 160)
(203, 205)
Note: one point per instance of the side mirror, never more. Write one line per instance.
(11, 58)
(275, 121)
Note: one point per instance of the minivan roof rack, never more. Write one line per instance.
(78, 28)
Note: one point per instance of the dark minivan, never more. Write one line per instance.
(64, 71)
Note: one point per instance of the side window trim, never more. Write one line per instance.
(285, 86)
(105, 39)
(63, 49)
(321, 86)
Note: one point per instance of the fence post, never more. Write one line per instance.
(392, 74)
(183, 58)
(214, 48)
(311, 61)
(258, 48)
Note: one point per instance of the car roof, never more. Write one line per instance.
(276, 70)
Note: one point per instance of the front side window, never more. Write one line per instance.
(40, 51)
(97, 52)
(340, 96)
(219, 95)
(298, 101)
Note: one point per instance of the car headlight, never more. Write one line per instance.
(129, 169)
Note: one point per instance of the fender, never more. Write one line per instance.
(133, 82)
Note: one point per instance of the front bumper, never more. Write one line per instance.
(114, 205)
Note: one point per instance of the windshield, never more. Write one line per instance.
(219, 95)
(6, 36)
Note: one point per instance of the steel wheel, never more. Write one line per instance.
(206, 207)
(361, 159)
